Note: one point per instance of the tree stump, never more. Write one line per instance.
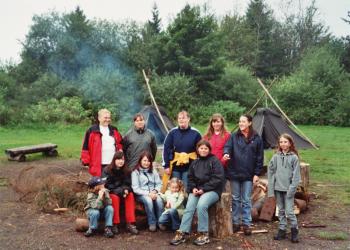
(304, 172)
(220, 220)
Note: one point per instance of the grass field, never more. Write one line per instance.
(330, 164)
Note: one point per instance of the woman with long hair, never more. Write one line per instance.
(245, 153)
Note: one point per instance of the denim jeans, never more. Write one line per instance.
(154, 208)
(201, 204)
(285, 210)
(241, 202)
(170, 218)
(94, 216)
(183, 176)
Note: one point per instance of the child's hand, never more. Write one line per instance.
(168, 204)
(200, 192)
(101, 193)
(126, 192)
(153, 196)
(195, 191)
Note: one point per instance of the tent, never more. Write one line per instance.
(270, 125)
(154, 123)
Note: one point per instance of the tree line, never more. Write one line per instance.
(71, 66)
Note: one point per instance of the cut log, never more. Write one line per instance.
(19, 158)
(268, 209)
(81, 224)
(301, 204)
(220, 220)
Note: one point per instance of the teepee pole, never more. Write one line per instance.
(284, 114)
(264, 93)
(154, 101)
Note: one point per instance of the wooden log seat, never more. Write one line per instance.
(19, 154)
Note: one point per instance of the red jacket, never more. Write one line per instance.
(92, 147)
(217, 144)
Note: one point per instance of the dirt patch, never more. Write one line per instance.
(24, 226)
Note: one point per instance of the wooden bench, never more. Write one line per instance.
(18, 154)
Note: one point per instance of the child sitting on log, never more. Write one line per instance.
(99, 203)
(119, 183)
(146, 184)
(283, 180)
(174, 199)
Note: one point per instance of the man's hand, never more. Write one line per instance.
(168, 204)
(195, 191)
(101, 193)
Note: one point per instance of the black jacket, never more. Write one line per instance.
(206, 173)
(247, 156)
(117, 181)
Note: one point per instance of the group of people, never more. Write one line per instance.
(195, 172)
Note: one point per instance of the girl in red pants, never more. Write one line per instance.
(119, 183)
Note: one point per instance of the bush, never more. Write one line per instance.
(173, 92)
(318, 92)
(238, 84)
(67, 110)
(230, 110)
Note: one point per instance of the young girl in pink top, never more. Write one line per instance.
(217, 135)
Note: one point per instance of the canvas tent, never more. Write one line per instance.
(270, 125)
(154, 123)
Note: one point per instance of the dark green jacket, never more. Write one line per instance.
(137, 141)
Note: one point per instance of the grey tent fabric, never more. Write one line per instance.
(154, 123)
(270, 125)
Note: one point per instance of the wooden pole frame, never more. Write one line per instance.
(154, 101)
(284, 114)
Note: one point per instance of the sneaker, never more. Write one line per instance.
(178, 239)
(162, 227)
(115, 229)
(152, 228)
(246, 230)
(108, 232)
(236, 228)
(132, 228)
(90, 232)
(202, 239)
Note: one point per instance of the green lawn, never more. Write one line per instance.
(329, 164)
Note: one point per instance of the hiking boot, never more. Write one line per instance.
(108, 232)
(246, 230)
(281, 235)
(162, 227)
(132, 229)
(236, 228)
(152, 228)
(294, 237)
(90, 232)
(178, 239)
(115, 229)
(202, 239)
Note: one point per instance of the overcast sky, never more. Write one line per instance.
(16, 15)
